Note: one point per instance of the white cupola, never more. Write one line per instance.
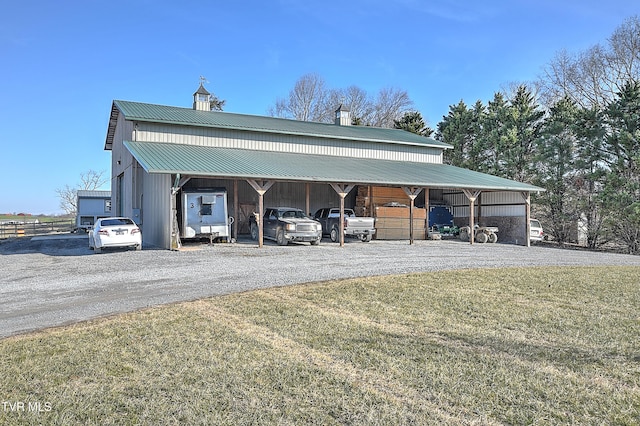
(201, 99)
(343, 116)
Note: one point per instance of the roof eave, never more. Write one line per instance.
(111, 129)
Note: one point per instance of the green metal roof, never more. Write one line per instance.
(198, 160)
(136, 111)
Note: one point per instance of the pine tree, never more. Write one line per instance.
(622, 185)
(556, 170)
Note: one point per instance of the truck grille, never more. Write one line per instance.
(305, 228)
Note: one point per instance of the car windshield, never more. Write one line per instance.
(291, 214)
(116, 221)
(535, 224)
(336, 213)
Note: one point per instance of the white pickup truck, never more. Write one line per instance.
(357, 227)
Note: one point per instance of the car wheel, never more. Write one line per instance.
(280, 237)
(365, 238)
(315, 242)
(334, 234)
(493, 238)
(254, 232)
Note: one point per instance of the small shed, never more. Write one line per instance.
(91, 206)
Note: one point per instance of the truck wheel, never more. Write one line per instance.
(254, 232)
(280, 237)
(334, 234)
(365, 238)
(481, 237)
(493, 237)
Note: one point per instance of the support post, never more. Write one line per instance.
(526, 195)
(307, 204)
(426, 207)
(342, 190)
(261, 188)
(236, 211)
(472, 196)
(178, 183)
(412, 193)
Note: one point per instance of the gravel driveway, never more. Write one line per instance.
(56, 281)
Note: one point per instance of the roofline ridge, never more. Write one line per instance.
(428, 141)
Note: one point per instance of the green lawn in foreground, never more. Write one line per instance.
(495, 346)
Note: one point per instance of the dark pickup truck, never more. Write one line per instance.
(284, 224)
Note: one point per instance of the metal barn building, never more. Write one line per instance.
(160, 151)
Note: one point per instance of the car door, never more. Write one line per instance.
(321, 216)
(270, 223)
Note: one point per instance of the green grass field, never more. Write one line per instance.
(496, 346)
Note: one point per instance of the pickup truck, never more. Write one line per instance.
(285, 224)
(358, 227)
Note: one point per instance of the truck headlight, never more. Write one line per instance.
(290, 227)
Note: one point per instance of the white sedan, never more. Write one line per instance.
(114, 232)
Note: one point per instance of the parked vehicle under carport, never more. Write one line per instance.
(285, 224)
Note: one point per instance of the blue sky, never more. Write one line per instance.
(64, 62)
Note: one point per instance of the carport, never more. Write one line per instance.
(262, 169)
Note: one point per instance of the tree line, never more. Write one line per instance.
(575, 133)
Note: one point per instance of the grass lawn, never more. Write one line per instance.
(495, 346)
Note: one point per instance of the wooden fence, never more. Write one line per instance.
(11, 229)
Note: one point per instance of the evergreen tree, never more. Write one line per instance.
(413, 122)
(591, 170)
(460, 128)
(556, 170)
(622, 184)
(525, 120)
(494, 134)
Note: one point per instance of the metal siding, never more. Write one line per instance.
(224, 138)
(501, 197)
(91, 206)
(156, 210)
(504, 211)
(491, 203)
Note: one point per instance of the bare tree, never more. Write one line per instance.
(89, 180)
(353, 98)
(306, 101)
(310, 100)
(390, 105)
(593, 78)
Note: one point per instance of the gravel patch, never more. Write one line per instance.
(51, 282)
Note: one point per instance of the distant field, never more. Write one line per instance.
(494, 346)
(33, 218)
